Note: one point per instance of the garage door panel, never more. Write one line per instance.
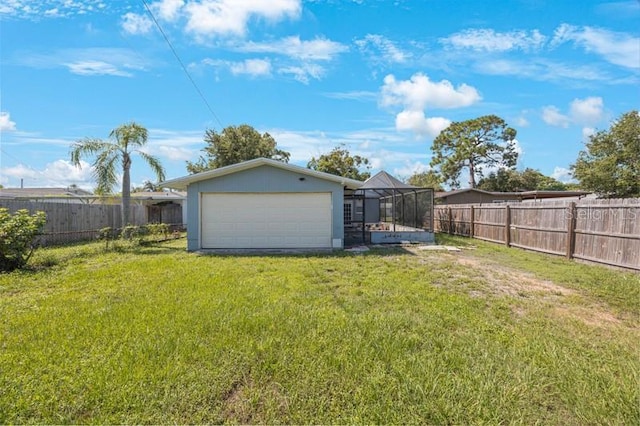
(266, 220)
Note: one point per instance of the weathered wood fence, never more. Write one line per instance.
(69, 222)
(604, 231)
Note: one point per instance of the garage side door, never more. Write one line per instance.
(266, 220)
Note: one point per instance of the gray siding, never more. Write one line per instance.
(261, 179)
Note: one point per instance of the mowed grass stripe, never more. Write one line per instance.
(157, 335)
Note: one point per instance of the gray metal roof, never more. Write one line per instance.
(384, 180)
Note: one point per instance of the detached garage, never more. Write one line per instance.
(264, 204)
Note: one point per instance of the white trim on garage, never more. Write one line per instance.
(265, 220)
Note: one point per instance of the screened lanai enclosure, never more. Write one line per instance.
(385, 210)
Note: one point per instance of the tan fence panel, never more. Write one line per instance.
(608, 231)
(604, 231)
(488, 223)
(69, 222)
(539, 227)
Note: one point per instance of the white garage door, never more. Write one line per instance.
(266, 220)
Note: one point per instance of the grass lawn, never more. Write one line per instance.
(158, 335)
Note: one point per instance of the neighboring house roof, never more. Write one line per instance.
(159, 195)
(183, 182)
(384, 180)
(524, 195)
(527, 195)
(43, 192)
(445, 194)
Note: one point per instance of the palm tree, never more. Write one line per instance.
(148, 186)
(110, 154)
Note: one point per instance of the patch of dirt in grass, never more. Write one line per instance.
(593, 316)
(237, 406)
(505, 280)
(496, 279)
(247, 403)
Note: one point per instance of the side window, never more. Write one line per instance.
(348, 217)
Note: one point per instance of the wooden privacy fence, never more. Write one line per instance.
(604, 231)
(69, 222)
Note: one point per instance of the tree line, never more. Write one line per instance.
(609, 165)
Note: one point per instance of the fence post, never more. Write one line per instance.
(450, 221)
(507, 225)
(571, 229)
(472, 218)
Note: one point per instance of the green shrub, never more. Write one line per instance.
(133, 234)
(17, 237)
(106, 234)
(158, 231)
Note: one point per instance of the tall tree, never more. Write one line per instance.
(428, 179)
(236, 144)
(473, 144)
(610, 166)
(508, 180)
(125, 141)
(340, 162)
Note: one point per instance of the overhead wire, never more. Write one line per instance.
(184, 68)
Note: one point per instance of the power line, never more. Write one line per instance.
(184, 68)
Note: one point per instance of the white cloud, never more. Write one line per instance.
(410, 168)
(562, 174)
(133, 23)
(543, 70)
(230, 17)
(175, 145)
(59, 173)
(318, 49)
(415, 121)
(588, 111)
(419, 92)
(552, 115)
(167, 10)
(369, 143)
(6, 125)
(587, 132)
(617, 48)
(29, 9)
(96, 68)
(304, 72)
(252, 67)
(380, 48)
(176, 153)
(90, 61)
(489, 40)
(301, 60)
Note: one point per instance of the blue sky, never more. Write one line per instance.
(381, 77)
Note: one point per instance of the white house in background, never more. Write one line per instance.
(264, 204)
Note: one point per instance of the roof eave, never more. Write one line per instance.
(183, 182)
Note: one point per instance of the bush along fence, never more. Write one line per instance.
(603, 231)
(71, 222)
